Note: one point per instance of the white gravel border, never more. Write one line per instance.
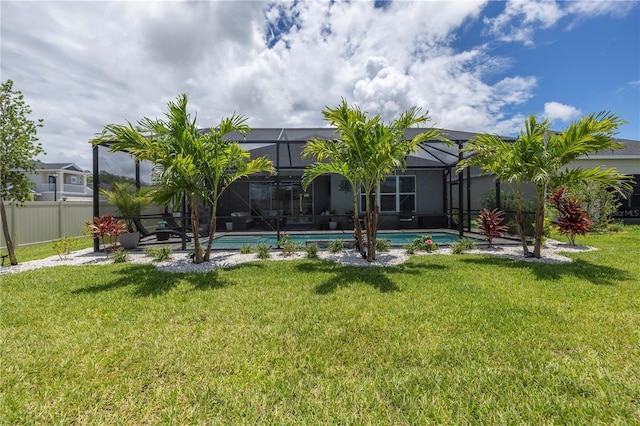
(181, 262)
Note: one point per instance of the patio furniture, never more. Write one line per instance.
(241, 220)
(162, 234)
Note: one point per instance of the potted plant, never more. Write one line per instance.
(333, 224)
(130, 202)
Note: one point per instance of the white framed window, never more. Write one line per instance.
(396, 194)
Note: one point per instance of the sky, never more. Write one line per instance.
(476, 66)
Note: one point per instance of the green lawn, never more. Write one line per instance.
(441, 339)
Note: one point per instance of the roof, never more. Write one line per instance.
(263, 142)
(57, 166)
(284, 145)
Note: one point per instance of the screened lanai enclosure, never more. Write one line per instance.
(429, 194)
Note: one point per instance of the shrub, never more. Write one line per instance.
(63, 246)
(490, 224)
(462, 245)
(571, 219)
(335, 246)
(246, 249)
(599, 202)
(312, 251)
(383, 245)
(410, 248)
(263, 251)
(159, 254)
(425, 243)
(290, 247)
(120, 256)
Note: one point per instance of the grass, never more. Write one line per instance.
(440, 339)
(41, 251)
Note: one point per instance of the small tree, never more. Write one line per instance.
(18, 149)
(490, 224)
(571, 219)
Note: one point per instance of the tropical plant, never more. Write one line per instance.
(490, 224)
(106, 226)
(129, 200)
(364, 153)
(571, 219)
(540, 157)
(187, 163)
(19, 147)
(425, 243)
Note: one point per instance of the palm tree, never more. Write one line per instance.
(368, 150)
(173, 146)
(224, 162)
(541, 157)
(186, 163)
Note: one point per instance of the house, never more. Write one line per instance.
(60, 181)
(426, 195)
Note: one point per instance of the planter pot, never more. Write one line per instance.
(333, 225)
(129, 240)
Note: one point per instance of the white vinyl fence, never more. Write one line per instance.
(43, 221)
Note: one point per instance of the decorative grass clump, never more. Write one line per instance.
(246, 249)
(263, 251)
(335, 246)
(312, 250)
(383, 245)
(463, 245)
(472, 339)
(159, 254)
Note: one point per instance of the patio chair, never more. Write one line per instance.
(161, 234)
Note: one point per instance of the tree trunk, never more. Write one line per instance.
(7, 235)
(196, 237)
(520, 222)
(212, 230)
(521, 234)
(539, 225)
(357, 229)
(371, 229)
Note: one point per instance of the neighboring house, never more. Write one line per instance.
(60, 181)
(425, 195)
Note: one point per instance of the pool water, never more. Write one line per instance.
(231, 241)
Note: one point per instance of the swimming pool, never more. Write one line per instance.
(235, 241)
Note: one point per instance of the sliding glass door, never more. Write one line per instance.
(286, 199)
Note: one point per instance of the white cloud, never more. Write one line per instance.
(557, 111)
(82, 65)
(522, 18)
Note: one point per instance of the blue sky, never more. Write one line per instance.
(474, 65)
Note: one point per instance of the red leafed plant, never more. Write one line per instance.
(571, 219)
(490, 224)
(105, 226)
